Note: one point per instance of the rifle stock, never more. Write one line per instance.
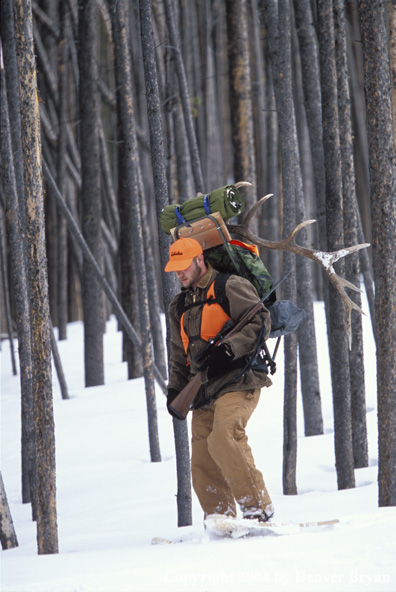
(182, 403)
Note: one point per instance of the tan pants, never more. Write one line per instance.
(222, 463)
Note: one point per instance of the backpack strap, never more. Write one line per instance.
(220, 293)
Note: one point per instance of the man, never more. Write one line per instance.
(222, 464)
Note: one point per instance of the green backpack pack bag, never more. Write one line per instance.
(236, 257)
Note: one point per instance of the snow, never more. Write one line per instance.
(112, 500)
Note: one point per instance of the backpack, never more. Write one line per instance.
(236, 257)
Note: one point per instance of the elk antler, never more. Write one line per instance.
(325, 260)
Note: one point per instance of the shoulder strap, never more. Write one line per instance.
(220, 293)
(181, 304)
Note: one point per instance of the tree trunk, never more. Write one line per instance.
(383, 211)
(351, 237)
(45, 494)
(17, 239)
(14, 114)
(306, 335)
(90, 192)
(128, 281)
(392, 60)
(338, 338)
(124, 96)
(241, 99)
(63, 51)
(184, 500)
(277, 20)
(8, 535)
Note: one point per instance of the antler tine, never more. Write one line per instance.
(297, 229)
(340, 284)
(242, 184)
(254, 209)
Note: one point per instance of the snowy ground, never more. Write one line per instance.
(112, 500)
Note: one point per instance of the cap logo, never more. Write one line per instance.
(176, 253)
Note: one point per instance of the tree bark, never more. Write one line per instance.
(45, 494)
(90, 192)
(383, 212)
(277, 20)
(63, 51)
(124, 96)
(184, 498)
(241, 99)
(392, 60)
(337, 327)
(17, 239)
(351, 237)
(8, 535)
(306, 335)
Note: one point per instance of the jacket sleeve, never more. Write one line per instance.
(242, 296)
(179, 373)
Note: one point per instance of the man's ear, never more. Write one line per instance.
(201, 259)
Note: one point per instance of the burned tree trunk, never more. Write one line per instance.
(45, 493)
(241, 96)
(338, 337)
(8, 535)
(124, 96)
(383, 211)
(90, 192)
(184, 501)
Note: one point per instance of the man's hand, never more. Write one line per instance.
(172, 394)
(219, 361)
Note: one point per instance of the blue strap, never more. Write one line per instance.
(180, 219)
(206, 205)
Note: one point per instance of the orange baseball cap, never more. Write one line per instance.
(181, 254)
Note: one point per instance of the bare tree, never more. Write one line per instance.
(338, 335)
(8, 535)
(124, 96)
(13, 183)
(277, 19)
(90, 191)
(392, 59)
(383, 211)
(351, 232)
(63, 69)
(184, 501)
(241, 95)
(45, 493)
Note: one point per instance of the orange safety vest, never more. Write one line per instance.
(213, 319)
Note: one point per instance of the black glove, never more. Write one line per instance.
(172, 394)
(220, 361)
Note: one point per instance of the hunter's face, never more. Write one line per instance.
(190, 277)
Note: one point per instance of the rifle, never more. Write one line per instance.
(181, 404)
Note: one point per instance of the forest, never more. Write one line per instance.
(110, 111)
